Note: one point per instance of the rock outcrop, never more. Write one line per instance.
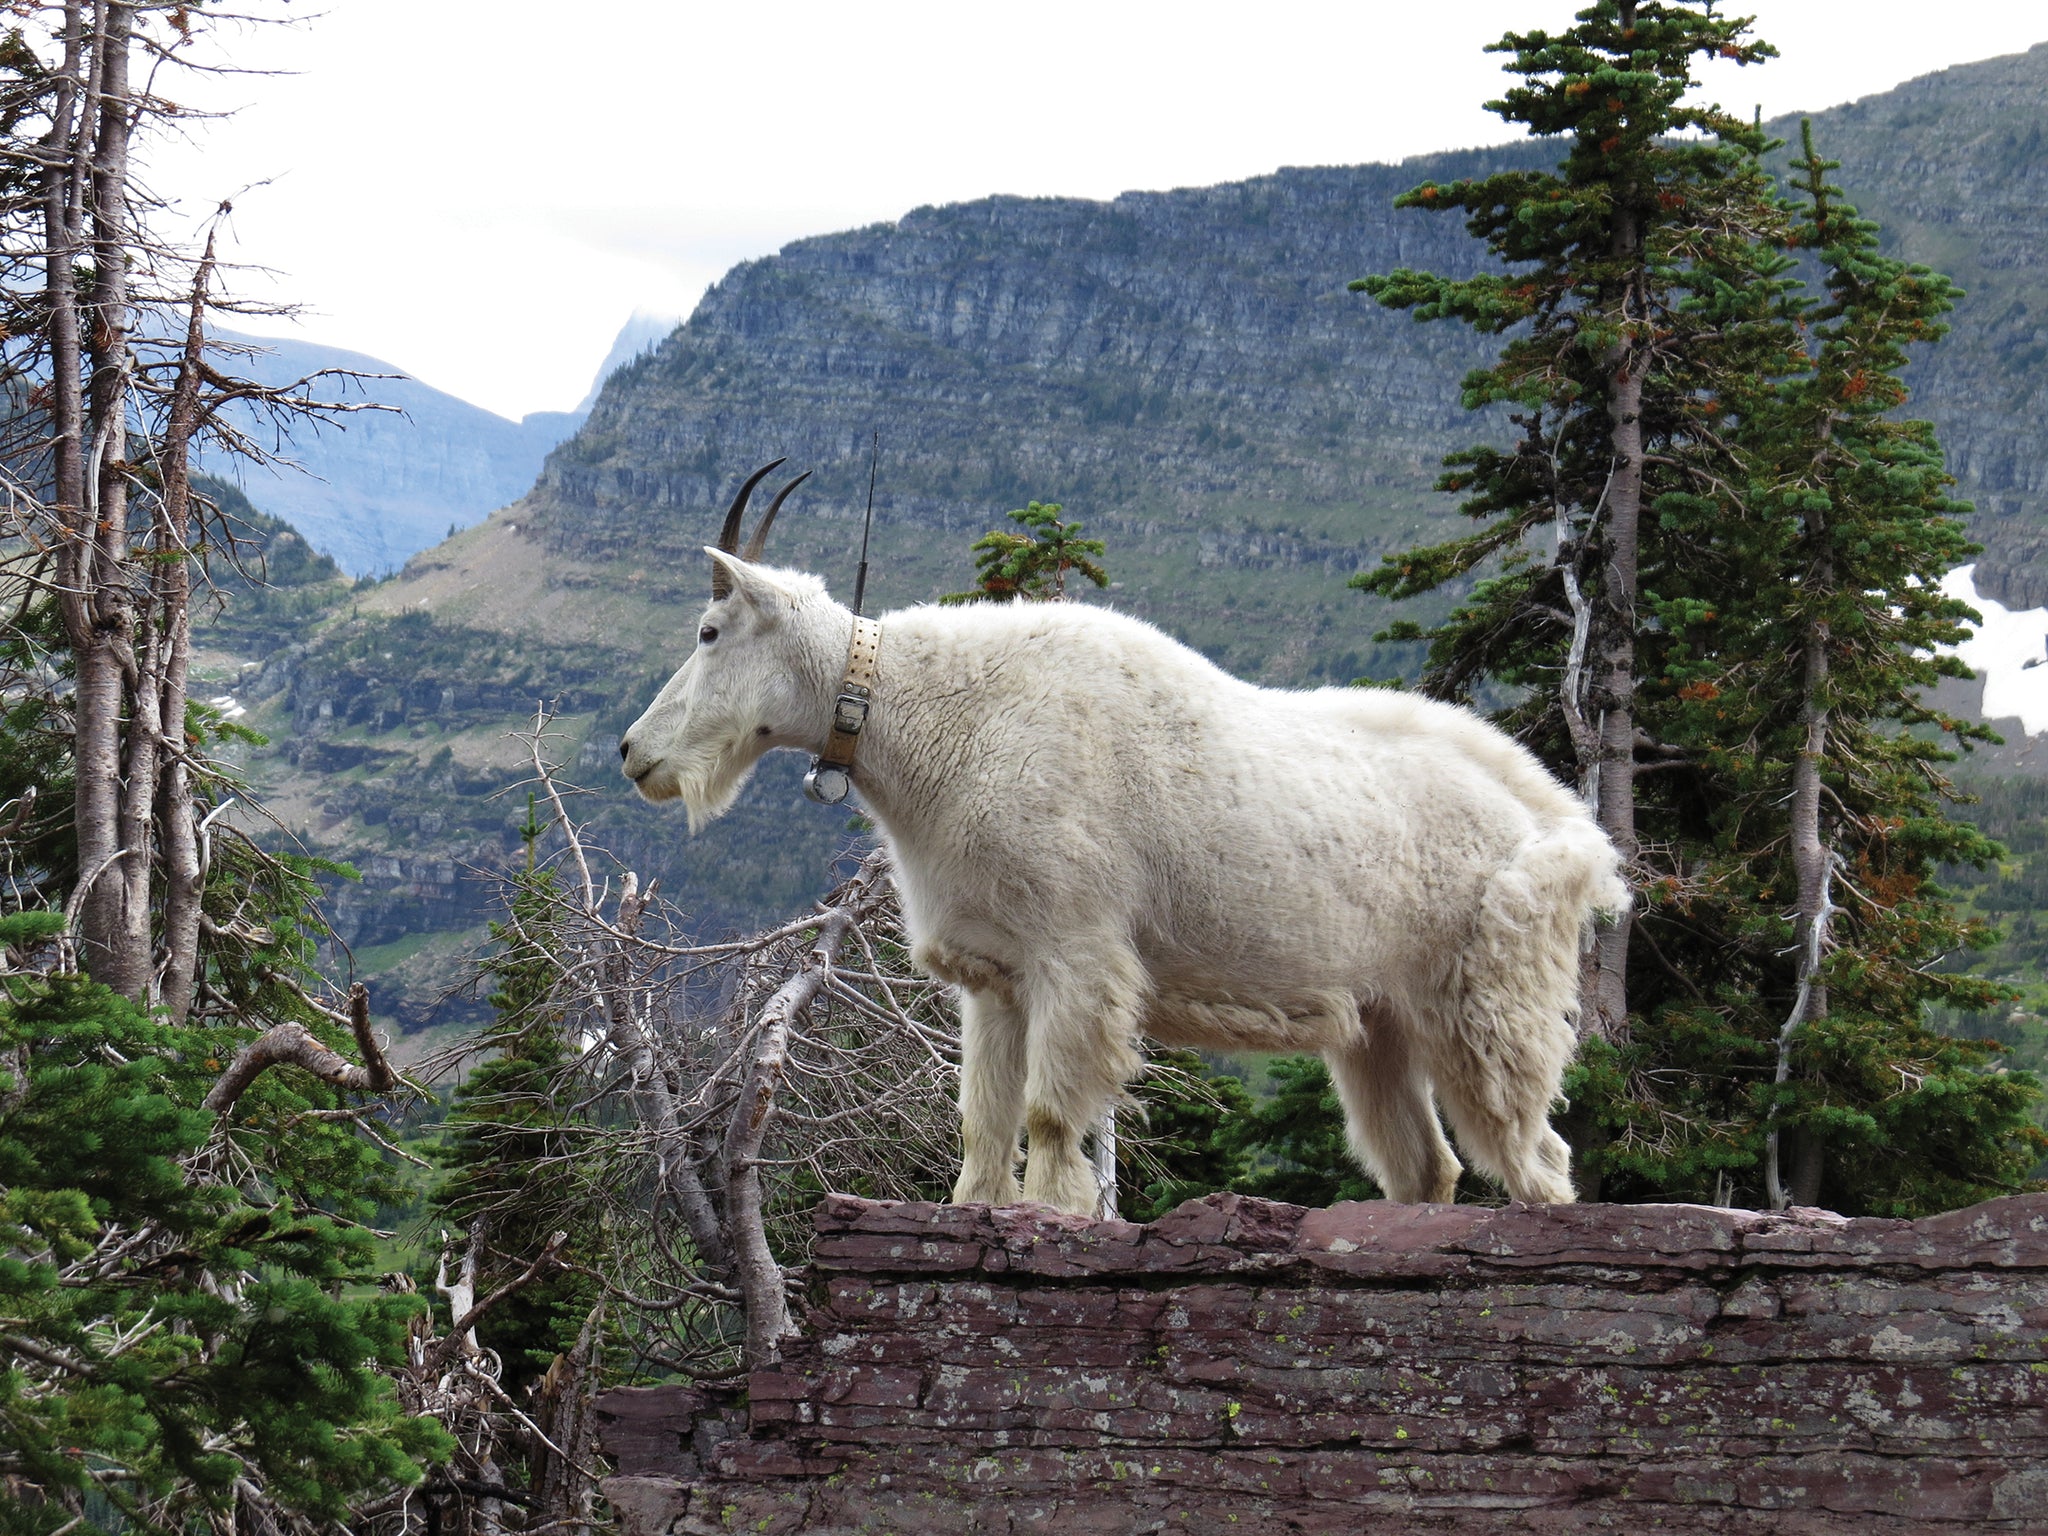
(1252, 1367)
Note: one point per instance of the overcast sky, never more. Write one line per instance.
(483, 193)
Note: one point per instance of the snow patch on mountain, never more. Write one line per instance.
(2009, 650)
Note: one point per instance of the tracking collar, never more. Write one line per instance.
(831, 775)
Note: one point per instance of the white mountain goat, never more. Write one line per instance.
(1099, 835)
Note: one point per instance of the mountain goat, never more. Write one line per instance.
(1098, 835)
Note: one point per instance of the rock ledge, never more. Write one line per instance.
(1247, 1366)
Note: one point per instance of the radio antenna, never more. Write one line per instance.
(860, 579)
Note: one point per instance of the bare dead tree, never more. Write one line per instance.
(706, 1093)
(452, 1377)
(712, 1090)
(113, 383)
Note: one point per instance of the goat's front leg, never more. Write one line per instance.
(1083, 1006)
(991, 1098)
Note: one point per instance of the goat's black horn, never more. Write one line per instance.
(729, 535)
(759, 541)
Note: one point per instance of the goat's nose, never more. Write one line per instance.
(625, 749)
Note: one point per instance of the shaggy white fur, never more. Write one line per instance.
(1098, 835)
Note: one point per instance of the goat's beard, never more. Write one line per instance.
(707, 777)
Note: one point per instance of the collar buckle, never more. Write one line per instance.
(850, 711)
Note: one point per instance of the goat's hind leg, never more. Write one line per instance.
(1497, 1076)
(1083, 1004)
(1390, 1115)
(992, 1045)
(1500, 1113)
(1498, 1071)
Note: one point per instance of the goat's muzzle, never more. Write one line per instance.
(636, 771)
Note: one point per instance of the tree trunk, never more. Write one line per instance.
(1605, 742)
(177, 828)
(96, 743)
(1105, 1165)
(118, 908)
(653, 1098)
(1813, 866)
(86, 219)
(127, 621)
(1809, 1164)
(1613, 688)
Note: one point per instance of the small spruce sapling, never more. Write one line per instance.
(1179, 1143)
(510, 1170)
(1033, 564)
(1292, 1143)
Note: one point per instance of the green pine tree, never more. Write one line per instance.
(1179, 1144)
(509, 1166)
(1813, 764)
(230, 1334)
(1292, 1143)
(1606, 362)
(1033, 564)
(1707, 574)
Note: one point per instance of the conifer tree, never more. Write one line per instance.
(509, 1174)
(1034, 563)
(185, 1333)
(1187, 1116)
(188, 1328)
(1814, 760)
(1602, 374)
(190, 1334)
(1713, 599)
(1293, 1144)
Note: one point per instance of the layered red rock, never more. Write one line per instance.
(1246, 1366)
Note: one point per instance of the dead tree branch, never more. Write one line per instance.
(293, 1044)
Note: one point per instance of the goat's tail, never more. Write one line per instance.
(1521, 970)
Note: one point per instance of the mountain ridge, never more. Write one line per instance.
(1056, 389)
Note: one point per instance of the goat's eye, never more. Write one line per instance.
(707, 634)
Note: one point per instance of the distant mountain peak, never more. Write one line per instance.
(378, 487)
(643, 331)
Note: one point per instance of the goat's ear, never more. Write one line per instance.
(750, 583)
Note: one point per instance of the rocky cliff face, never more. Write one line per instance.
(1153, 353)
(1245, 1366)
(1186, 371)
